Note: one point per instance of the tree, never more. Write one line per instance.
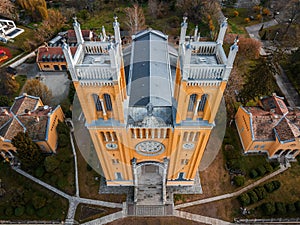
(261, 170)
(8, 10)
(244, 199)
(276, 184)
(51, 163)
(239, 180)
(269, 187)
(253, 174)
(268, 208)
(260, 192)
(4, 101)
(253, 196)
(260, 81)
(280, 208)
(36, 8)
(38, 201)
(19, 211)
(8, 84)
(28, 152)
(36, 88)
(291, 208)
(135, 19)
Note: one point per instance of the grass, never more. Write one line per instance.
(85, 213)
(89, 186)
(21, 79)
(20, 191)
(237, 23)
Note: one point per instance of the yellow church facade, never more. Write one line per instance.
(149, 108)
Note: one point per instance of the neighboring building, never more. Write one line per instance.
(28, 114)
(151, 119)
(51, 57)
(8, 30)
(271, 128)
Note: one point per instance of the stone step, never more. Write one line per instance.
(149, 210)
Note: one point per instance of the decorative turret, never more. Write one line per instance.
(231, 56)
(104, 34)
(69, 59)
(184, 25)
(117, 30)
(77, 30)
(223, 28)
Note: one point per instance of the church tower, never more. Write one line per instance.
(149, 121)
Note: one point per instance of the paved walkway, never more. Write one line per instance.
(199, 218)
(254, 29)
(75, 165)
(234, 194)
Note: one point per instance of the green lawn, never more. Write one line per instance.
(26, 200)
(21, 79)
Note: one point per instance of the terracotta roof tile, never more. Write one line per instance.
(52, 54)
(25, 102)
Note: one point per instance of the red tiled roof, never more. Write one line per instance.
(34, 119)
(274, 115)
(24, 102)
(86, 34)
(52, 54)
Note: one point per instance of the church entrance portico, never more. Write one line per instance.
(149, 182)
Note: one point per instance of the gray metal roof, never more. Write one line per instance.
(150, 73)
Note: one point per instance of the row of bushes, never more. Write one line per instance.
(263, 169)
(28, 210)
(258, 193)
(280, 208)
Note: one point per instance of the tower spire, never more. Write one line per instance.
(77, 30)
(223, 28)
(117, 30)
(183, 30)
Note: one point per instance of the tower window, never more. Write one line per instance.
(202, 103)
(192, 102)
(97, 102)
(108, 103)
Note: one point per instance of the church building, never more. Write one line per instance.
(150, 108)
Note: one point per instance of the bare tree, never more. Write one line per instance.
(8, 10)
(135, 19)
(36, 88)
(152, 7)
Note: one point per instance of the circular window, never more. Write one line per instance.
(150, 148)
(188, 145)
(111, 146)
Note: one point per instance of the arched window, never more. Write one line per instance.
(108, 103)
(192, 102)
(97, 102)
(202, 103)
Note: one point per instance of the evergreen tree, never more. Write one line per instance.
(28, 152)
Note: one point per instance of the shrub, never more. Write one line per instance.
(268, 167)
(244, 199)
(29, 210)
(42, 212)
(19, 211)
(258, 17)
(261, 170)
(256, 8)
(235, 13)
(61, 183)
(266, 12)
(268, 208)
(276, 184)
(247, 20)
(38, 201)
(269, 187)
(53, 178)
(253, 196)
(239, 180)
(261, 192)
(39, 172)
(291, 208)
(275, 165)
(280, 208)
(9, 211)
(51, 163)
(297, 205)
(253, 174)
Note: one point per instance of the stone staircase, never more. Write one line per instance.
(149, 210)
